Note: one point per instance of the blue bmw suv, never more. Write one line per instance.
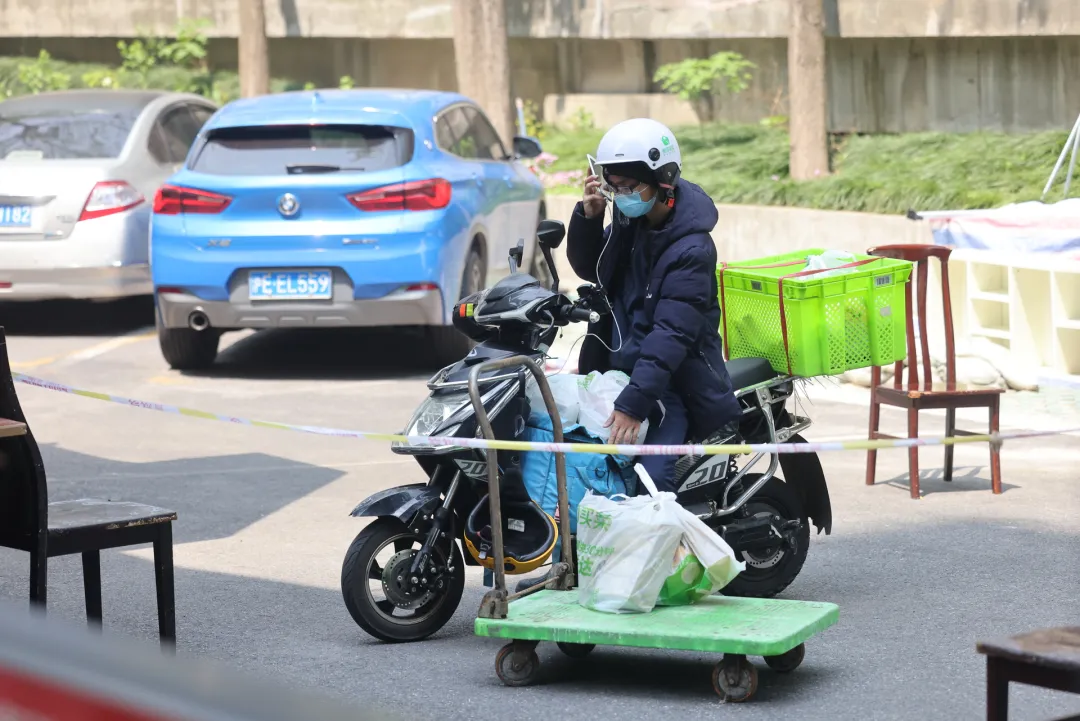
(335, 208)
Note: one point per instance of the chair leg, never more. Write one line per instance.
(995, 450)
(875, 424)
(39, 572)
(91, 568)
(950, 429)
(913, 452)
(163, 576)
(997, 691)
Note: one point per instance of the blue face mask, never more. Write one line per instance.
(632, 206)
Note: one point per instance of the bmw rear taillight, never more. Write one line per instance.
(109, 197)
(174, 200)
(418, 195)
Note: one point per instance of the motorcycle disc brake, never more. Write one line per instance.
(399, 586)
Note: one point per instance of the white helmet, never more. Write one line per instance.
(642, 140)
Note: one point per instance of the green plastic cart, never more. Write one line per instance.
(734, 627)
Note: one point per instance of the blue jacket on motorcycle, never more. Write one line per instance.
(661, 284)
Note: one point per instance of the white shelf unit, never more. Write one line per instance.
(1065, 291)
(1027, 303)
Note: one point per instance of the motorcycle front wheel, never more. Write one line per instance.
(378, 589)
(770, 571)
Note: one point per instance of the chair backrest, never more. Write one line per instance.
(23, 493)
(921, 254)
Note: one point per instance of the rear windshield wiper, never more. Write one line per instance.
(300, 169)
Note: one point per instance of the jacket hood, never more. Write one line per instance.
(694, 213)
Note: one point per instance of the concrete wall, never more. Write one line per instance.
(879, 85)
(894, 65)
(875, 84)
(956, 18)
(553, 18)
(962, 84)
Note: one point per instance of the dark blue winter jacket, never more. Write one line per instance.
(662, 286)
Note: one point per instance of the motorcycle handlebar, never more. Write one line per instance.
(578, 313)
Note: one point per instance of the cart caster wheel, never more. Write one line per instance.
(735, 681)
(576, 650)
(787, 662)
(516, 675)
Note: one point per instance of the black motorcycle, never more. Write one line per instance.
(404, 574)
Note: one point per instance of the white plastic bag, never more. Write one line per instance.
(702, 564)
(830, 259)
(598, 401)
(624, 551)
(718, 558)
(565, 388)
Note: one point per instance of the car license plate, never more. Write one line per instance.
(290, 285)
(16, 216)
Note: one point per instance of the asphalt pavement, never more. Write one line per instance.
(264, 523)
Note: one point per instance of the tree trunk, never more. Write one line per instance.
(482, 59)
(252, 49)
(807, 90)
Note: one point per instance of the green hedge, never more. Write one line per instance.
(873, 173)
(24, 75)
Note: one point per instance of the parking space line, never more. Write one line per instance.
(93, 351)
(112, 344)
(36, 363)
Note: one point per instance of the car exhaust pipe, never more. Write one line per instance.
(198, 320)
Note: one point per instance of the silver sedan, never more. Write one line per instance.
(78, 173)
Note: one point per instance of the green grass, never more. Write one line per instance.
(219, 85)
(871, 173)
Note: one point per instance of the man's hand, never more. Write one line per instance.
(624, 428)
(594, 203)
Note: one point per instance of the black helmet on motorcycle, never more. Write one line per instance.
(529, 534)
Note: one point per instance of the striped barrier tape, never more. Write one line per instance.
(526, 446)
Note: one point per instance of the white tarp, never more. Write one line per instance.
(1031, 227)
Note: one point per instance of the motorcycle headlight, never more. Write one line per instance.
(444, 413)
(434, 412)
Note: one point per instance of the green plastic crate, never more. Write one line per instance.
(834, 324)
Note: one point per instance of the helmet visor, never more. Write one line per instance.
(621, 178)
(628, 174)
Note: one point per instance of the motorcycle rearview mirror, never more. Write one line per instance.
(516, 255)
(550, 233)
(549, 236)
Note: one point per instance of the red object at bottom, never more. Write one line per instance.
(27, 698)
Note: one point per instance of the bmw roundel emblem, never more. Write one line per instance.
(288, 205)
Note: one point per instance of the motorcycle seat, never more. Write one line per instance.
(745, 372)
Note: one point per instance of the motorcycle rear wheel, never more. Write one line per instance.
(377, 617)
(768, 574)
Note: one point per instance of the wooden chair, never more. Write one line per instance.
(917, 395)
(28, 522)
